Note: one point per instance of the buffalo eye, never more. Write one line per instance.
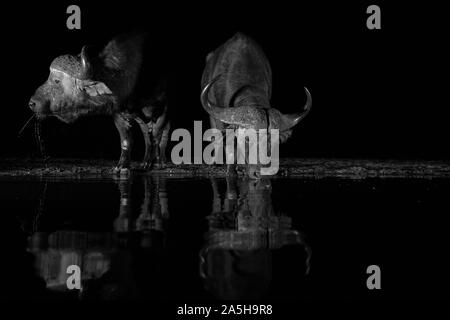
(57, 81)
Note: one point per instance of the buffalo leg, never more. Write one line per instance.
(217, 124)
(163, 145)
(123, 125)
(160, 136)
(230, 155)
(155, 152)
(252, 169)
(146, 162)
(231, 168)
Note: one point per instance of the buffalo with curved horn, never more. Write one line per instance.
(237, 88)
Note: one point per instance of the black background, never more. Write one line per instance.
(376, 93)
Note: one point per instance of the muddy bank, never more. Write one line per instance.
(306, 168)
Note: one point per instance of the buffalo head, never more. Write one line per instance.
(71, 90)
(255, 117)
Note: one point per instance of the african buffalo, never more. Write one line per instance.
(237, 88)
(111, 81)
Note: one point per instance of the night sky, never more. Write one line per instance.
(376, 93)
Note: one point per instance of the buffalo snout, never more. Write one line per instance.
(32, 104)
(38, 106)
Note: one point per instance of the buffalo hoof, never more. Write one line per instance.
(150, 164)
(255, 176)
(161, 165)
(123, 172)
(254, 173)
(145, 166)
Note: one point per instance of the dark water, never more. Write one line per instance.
(167, 238)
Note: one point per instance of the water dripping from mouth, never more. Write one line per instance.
(25, 125)
(40, 141)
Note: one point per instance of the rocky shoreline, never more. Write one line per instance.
(292, 167)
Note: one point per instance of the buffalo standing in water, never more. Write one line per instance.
(114, 81)
(236, 91)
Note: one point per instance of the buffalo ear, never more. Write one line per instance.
(95, 88)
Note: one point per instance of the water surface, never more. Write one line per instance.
(215, 238)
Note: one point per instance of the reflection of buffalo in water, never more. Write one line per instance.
(110, 262)
(244, 231)
(153, 211)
